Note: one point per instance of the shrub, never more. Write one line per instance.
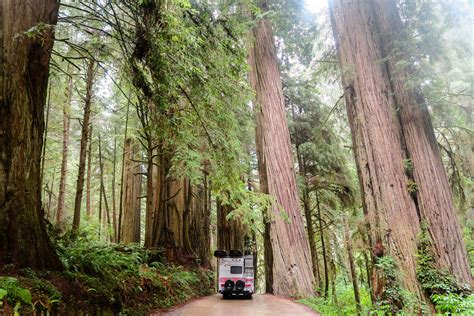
(13, 294)
(346, 304)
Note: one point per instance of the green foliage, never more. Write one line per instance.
(408, 165)
(250, 209)
(432, 280)
(412, 186)
(46, 297)
(467, 229)
(453, 303)
(345, 304)
(122, 275)
(100, 260)
(391, 299)
(443, 290)
(13, 294)
(120, 278)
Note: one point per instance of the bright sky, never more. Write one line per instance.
(314, 6)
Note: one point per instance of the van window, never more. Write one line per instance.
(236, 270)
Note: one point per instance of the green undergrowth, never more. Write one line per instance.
(445, 292)
(101, 277)
(345, 304)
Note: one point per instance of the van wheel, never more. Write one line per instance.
(226, 296)
(248, 296)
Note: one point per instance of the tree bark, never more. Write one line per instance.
(100, 213)
(119, 224)
(114, 204)
(89, 176)
(312, 237)
(137, 187)
(323, 247)
(131, 193)
(288, 260)
(23, 84)
(90, 76)
(127, 203)
(389, 127)
(202, 221)
(230, 233)
(309, 218)
(50, 192)
(43, 154)
(152, 194)
(102, 188)
(350, 258)
(433, 195)
(63, 174)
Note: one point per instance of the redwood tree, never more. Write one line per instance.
(90, 76)
(288, 259)
(23, 83)
(64, 159)
(131, 194)
(400, 171)
(432, 194)
(231, 234)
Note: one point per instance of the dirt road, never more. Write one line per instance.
(263, 304)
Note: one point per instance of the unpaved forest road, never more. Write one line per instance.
(261, 304)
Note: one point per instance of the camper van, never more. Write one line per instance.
(236, 273)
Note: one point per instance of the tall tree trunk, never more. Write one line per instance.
(203, 222)
(311, 236)
(388, 126)
(23, 84)
(161, 189)
(352, 268)
(114, 204)
(119, 224)
(196, 222)
(368, 263)
(102, 188)
(63, 176)
(151, 195)
(127, 203)
(50, 193)
(433, 195)
(48, 110)
(230, 233)
(309, 218)
(89, 176)
(130, 193)
(90, 76)
(288, 260)
(323, 247)
(100, 212)
(188, 209)
(137, 187)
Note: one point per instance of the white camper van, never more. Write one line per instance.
(236, 273)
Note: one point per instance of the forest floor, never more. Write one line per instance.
(261, 304)
(97, 277)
